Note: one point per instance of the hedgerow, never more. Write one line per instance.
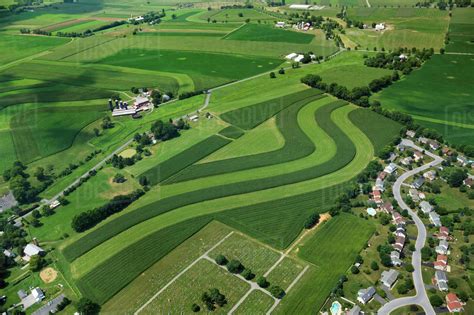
(168, 168)
(251, 116)
(297, 145)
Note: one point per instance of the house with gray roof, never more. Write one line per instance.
(354, 311)
(418, 182)
(365, 295)
(389, 278)
(426, 207)
(441, 280)
(435, 219)
(442, 247)
(395, 257)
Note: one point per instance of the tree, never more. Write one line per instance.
(436, 300)
(221, 260)
(40, 174)
(247, 274)
(312, 220)
(277, 292)
(262, 282)
(409, 268)
(426, 253)
(272, 75)
(156, 97)
(234, 266)
(195, 308)
(36, 263)
(87, 307)
(281, 71)
(119, 178)
(143, 180)
(374, 266)
(96, 132)
(355, 270)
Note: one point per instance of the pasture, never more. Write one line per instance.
(445, 104)
(236, 15)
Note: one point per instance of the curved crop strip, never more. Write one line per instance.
(251, 116)
(231, 132)
(168, 168)
(297, 145)
(381, 129)
(345, 149)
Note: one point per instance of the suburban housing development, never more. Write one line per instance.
(236, 157)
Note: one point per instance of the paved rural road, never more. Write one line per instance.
(421, 298)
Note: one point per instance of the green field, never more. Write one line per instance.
(258, 32)
(206, 69)
(445, 104)
(461, 33)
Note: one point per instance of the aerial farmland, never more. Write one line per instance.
(231, 157)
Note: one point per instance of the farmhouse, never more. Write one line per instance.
(141, 101)
(194, 118)
(280, 24)
(453, 303)
(411, 133)
(54, 204)
(435, 219)
(441, 280)
(291, 56)
(365, 295)
(32, 250)
(426, 207)
(389, 278)
(380, 26)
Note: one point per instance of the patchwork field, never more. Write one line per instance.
(257, 32)
(443, 104)
(461, 31)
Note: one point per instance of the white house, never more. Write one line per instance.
(442, 247)
(392, 167)
(441, 280)
(426, 207)
(291, 56)
(389, 278)
(380, 26)
(280, 24)
(365, 295)
(435, 219)
(32, 250)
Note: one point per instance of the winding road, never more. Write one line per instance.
(421, 298)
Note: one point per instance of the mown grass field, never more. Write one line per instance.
(258, 32)
(444, 104)
(332, 249)
(232, 15)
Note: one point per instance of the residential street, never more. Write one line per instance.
(421, 298)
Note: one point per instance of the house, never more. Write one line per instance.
(453, 303)
(141, 101)
(37, 294)
(411, 133)
(400, 231)
(462, 160)
(382, 175)
(441, 263)
(194, 118)
(468, 182)
(435, 219)
(32, 250)
(414, 194)
(395, 257)
(418, 156)
(298, 58)
(442, 247)
(291, 56)
(447, 151)
(377, 196)
(54, 204)
(403, 57)
(418, 183)
(426, 207)
(441, 280)
(399, 243)
(443, 233)
(389, 278)
(407, 161)
(379, 27)
(423, 140)
(379, 184)
(392, 167)
(434, 145)
(387, 206)
(280, 24)
(354, 311)
(22, 294)
(397, 218)
(34, 297)
(8, 253)
(401, 147)
(430, 175)
(365, 295)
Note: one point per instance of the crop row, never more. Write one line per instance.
(231, 132)
(251, 116)
(169, 167)
(113, 274)
(345, 153)
(297, 145)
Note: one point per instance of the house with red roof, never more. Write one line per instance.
(443, 233)
(441, 263)
(453, 303)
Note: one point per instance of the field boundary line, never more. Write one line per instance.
(234, 30)
(182, 272)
